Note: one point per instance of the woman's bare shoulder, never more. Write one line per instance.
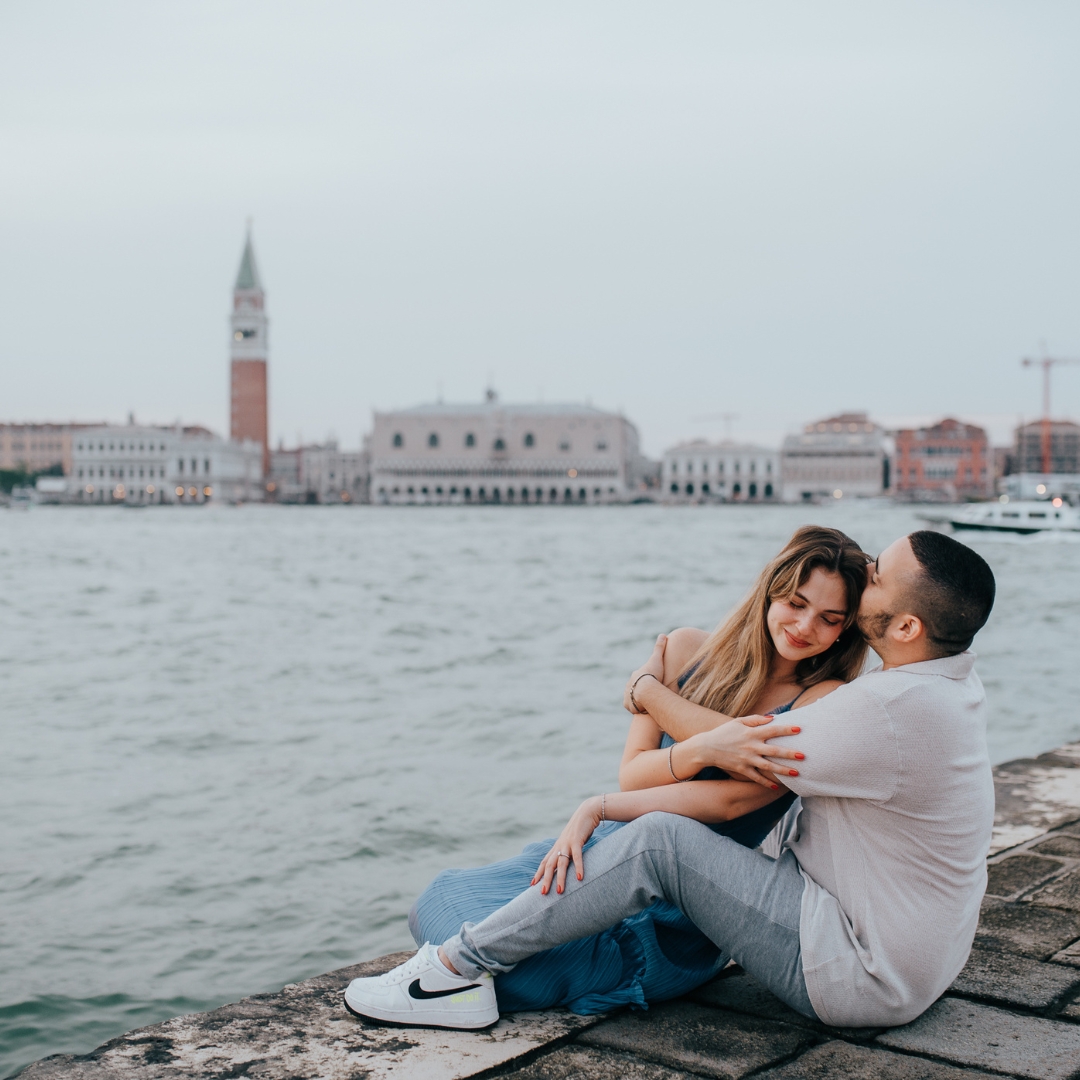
(681, 646)
(817, 692)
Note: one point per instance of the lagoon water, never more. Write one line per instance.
(238, 741)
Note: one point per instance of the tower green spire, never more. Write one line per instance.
(248, 276)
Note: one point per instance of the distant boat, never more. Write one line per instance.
(1022, 516)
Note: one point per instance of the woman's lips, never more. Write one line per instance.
(796, 643)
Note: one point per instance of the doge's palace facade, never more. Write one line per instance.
(496, 453)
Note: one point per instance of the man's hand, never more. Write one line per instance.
(568, 847)
(741, 747)
(654, 666)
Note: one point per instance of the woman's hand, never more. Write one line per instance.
(654, 666)
(741, 747)
(568, 847)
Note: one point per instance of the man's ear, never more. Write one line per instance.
(907, 629)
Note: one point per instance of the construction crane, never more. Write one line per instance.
(1046, 363)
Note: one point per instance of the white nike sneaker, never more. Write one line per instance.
(424, 993)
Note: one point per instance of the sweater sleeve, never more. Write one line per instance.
(850, 746)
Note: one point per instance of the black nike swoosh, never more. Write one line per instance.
(418, 992)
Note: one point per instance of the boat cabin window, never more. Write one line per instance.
(1037, 513)
(1010, 513)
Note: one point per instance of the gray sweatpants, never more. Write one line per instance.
(744, 901)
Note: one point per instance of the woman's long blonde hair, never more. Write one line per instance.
(731, 668)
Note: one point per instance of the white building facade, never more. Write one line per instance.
(145, 465)
(841, 456)
(318, 474)
(495, 453)
(701, 471)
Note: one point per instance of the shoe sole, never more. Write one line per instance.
(397, 1022)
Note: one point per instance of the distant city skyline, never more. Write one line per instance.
(780, 213)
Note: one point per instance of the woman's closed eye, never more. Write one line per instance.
(824, 618)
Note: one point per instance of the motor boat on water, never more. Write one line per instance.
(1017, 516)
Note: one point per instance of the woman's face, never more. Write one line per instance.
(812, 619)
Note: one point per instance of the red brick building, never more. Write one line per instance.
(248, 412)
(948, 460)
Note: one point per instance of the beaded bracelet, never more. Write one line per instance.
(671, 750)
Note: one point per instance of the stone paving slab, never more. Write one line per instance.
(1026, 958)
(1037, 932)
(584, 1063)
(706, 1041)
(1062, 893)
(1019, 874)
(995, 976)
(741, 992)
(982, 1036)
(1035, 795)
(1061, 844)
(304, 1031)
(842, 1061)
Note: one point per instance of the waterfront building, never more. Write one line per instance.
(248, 347)
(701, 471)
(318, 474)
(1064, 447)
(140, 464)
(835, 457)
(35, 448)
(496, 453)
(946, 460)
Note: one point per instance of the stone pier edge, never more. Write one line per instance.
(1014, 1011)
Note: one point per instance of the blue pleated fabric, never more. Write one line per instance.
(654, 955)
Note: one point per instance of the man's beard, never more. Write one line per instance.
(874, 626)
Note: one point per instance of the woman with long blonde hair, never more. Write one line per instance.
(791, 641)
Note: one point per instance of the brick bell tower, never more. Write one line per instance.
(247, 349)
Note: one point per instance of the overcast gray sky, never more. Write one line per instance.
(778, 210)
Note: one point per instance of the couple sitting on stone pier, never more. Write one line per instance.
(838, 854)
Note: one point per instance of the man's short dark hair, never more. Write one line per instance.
(956, 592)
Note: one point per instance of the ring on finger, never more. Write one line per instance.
(561, 855)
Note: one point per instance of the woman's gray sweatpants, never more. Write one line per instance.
(744, 901)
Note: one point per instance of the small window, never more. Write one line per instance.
(399, 439)
(674, 489)
(705, 489)
(470, 439)
(753, 491)
(529, 440)
(601, 445)
(500, 444)
(564, 445)
(433, 440)
(768, 491)
(689, 489)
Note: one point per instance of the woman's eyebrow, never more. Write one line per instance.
(828, 611)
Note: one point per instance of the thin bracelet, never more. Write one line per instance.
(643, 675)
(603, 813)
(671, 750)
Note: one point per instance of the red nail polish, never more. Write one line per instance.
(559, 890)
(793, 772)
(796, 730)
(800, 756)
(776, 787)
(579, 877)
